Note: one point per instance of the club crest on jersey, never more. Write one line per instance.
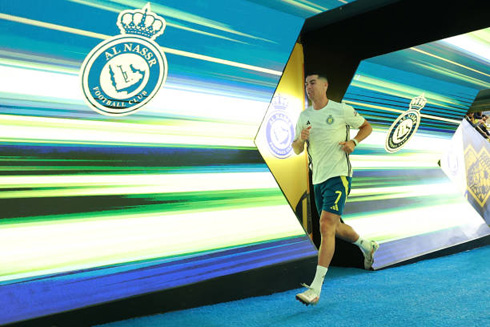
(280, 129)
(330, 120)
(405, 126)
(122, 74)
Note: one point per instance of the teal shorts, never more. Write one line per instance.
(331, 195)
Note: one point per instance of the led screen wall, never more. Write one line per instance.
(127, 161)
(303, 8)
(467, 163)
(415, 99)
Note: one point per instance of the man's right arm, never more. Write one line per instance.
(298, 145)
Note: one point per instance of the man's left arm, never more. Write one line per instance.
(364, 131)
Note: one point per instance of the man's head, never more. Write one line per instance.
(316, 86)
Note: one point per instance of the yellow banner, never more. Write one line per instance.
(276, 135)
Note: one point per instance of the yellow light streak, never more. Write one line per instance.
(91, 185)
(118, 9)
(392, 192)
(453, 74)
(449, 61)
(44, 248)
(185, 16)
(356, 103)
(411, 222)
(165, 49)
(51, 26)
(308, 6)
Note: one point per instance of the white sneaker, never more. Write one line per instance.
(369, 257)
(310, 296)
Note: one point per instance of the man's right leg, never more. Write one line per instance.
(328, 223)
(330, 198)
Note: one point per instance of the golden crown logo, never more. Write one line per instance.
(418, 103)
(122, 74)
(141, 22)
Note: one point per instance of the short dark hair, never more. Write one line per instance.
(320, 75)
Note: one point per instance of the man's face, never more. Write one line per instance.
(315, 86)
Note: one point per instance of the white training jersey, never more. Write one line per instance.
(329, 126)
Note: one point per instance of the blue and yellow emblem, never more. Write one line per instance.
(280, 129)
(405, 126)
(330, 120)
(122, 74)
(478, 174)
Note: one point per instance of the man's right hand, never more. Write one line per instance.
(305, 134)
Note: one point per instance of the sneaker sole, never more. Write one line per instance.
(306, 302)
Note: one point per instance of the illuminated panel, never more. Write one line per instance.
(467, 163)
(98, 208)
(303, 8)
(276, 135)
(403, 199)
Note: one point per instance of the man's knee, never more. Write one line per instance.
(328, 222)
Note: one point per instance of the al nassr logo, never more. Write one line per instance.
(405, 126)
(279, 128)
(122, 74)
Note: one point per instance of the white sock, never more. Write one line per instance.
(319, 277)
(364, 245)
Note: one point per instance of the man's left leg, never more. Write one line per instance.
(368, 247)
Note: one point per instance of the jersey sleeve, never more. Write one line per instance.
(352, 117)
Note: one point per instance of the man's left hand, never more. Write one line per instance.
(348, 147)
